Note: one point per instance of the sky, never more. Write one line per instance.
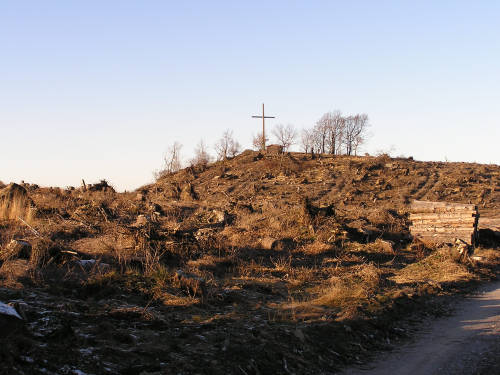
(100, 89)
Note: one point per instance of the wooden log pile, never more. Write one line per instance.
(443, 222)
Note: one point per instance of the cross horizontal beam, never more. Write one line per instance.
(263, 117)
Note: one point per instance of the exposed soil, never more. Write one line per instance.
(255, 265)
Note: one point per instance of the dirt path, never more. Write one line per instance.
(468, 342)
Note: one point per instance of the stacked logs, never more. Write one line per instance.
(442, 222)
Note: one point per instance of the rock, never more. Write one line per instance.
(90, 264)
(140, 197)
(21, 308)
(10, 321)
(267, 243)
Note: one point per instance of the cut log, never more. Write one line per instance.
(441, 229)
(442, 216)
(416, 205)
(470, 222)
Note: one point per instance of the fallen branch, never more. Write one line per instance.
(30, 227)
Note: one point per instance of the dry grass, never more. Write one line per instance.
(438, 267)
(19, 207)
(350, 288)
(317, 247)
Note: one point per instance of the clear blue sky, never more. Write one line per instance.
(99, 89)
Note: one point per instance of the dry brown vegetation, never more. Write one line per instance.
(250, 265)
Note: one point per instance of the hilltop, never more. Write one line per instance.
(247, 265)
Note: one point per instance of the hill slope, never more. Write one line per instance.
(246, 266)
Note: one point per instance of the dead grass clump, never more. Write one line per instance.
(15, 249)
(488, 255)
(439, 267)
(190, 283)
(250, 269)
(317, 247)
(16, 204)
(301, 275)
(351, 288)
(213, 265)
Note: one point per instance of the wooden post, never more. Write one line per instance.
(263, 129)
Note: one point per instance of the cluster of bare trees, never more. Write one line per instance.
(333, 134)
(336, 134)
(226, 147)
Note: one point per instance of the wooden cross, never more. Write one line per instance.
(263, 117)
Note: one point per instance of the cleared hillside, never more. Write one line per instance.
(254, 265)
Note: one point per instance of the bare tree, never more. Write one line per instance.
(235, 149)
(227, 146)
(307, 140)
(334, 124)
(320, 135)
(257, 142)
(286, 135)
(201, 155)
(172, 161)
(355, 132)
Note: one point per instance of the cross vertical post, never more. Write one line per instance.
(263, 127)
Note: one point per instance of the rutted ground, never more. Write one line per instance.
(253, 265)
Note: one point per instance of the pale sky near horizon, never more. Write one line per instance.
(99, 89)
